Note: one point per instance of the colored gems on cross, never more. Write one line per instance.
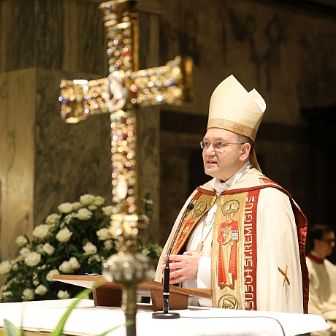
(125, 89)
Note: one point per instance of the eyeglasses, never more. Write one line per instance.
(218, 145)
(329, 241)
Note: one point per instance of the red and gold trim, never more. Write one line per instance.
(250, 250)
(234, 250)
(202, 204)
(301, 226)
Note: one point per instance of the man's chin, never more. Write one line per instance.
(211, 172)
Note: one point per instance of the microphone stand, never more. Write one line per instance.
(165, 314)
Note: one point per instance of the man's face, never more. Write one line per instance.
(223, 154)
(325, 245)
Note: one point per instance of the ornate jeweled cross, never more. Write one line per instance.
(121, 94)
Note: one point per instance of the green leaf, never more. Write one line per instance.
(11, 329)
(53, 259)
(58, 331)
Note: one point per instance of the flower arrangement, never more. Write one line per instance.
(73, 240)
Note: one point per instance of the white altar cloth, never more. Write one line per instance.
(87, 319)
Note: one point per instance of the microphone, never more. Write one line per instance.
(165, 314)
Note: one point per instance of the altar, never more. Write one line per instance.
(88, 319)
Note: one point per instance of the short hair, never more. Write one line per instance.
(317, 231)
(245, 139)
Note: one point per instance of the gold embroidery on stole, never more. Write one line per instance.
(227, 269)
(202, 204)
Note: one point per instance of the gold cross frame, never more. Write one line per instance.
(121, 94)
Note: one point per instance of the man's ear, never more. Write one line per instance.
(245, 151)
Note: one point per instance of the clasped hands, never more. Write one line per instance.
(182, 266)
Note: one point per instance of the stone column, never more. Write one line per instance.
(17, 166)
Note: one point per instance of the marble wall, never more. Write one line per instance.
(44, 161)
(17, 164)
(64, 35)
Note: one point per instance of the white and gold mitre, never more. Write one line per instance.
(234, 109)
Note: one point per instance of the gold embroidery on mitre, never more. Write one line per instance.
(233, 127)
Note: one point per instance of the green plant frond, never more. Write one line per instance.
(11, 330)
(58, 331)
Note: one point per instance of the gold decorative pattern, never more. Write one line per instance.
(125, 89)
(285, 276)
(234, 127)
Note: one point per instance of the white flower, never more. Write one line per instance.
(32, 259)
(84, 214)
(7, 294)
(38, 248)
(74, 263)
(93, 258)
(5, 267)
(98, 200)
(39, 261)
(107, 211)
(63, 294)
(76, 206)
(65, 208)
(108, 244)
(47, 248)
(103, 234)
(53, 219)
(63, 235)
(41, 290)
(21, 241)
(24, 252)
(66, 267)
(89, 248)
(87, 199)
(51, 273)
(41, 231)
(68, 218)
(28, 294)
